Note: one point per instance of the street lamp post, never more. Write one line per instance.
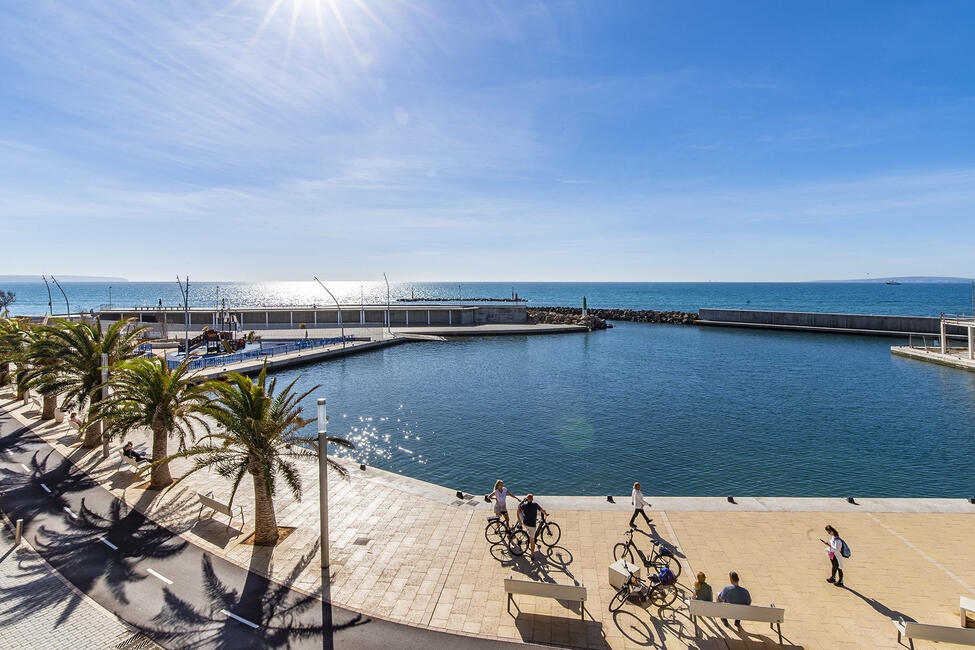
(323, 481)
(101, 425)
(388, 324)
(338, 307)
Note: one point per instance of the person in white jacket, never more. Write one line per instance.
(834, 550)
(638, 503)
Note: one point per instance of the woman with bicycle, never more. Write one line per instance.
(500, 497)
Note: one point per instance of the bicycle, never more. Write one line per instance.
(497, 532)
(661, 594)
(548, 532)
(660, 554)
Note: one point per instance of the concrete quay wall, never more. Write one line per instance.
(827, 322)
(163, 319)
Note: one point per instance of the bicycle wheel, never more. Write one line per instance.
(621, 597)
(518, 542)
(663, 595)
(668, 561)
(624, 551)
(494, 532)
(551, 534)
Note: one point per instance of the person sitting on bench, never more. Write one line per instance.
(734, 594)
(138, 456)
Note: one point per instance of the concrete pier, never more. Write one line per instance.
(866, 324)
(163, 320)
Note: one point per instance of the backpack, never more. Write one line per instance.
(845, 551)
(666, 576)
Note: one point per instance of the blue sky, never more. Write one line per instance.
(280, 139)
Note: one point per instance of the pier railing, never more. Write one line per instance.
(225, 359)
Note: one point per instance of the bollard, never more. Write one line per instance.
(18, 532)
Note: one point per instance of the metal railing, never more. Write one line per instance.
(225, 359)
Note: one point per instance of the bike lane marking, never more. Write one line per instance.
(239, 618)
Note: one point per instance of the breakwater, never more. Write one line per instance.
(631, 315)
(869, 324)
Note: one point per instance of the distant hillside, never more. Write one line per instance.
(61, 278)
(927, 279)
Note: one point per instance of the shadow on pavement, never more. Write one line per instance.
(276, 609)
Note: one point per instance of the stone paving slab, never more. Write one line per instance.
(410, 551)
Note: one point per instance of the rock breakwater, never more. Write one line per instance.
(549, 315)
(633, 315)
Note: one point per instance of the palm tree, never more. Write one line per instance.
(78, 347)
(44, 368)
(14, 339)
(145, 393)
(259, 431)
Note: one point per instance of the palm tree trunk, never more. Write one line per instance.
(50, 404)
(159, 476)
(265, 523)
(93, 436)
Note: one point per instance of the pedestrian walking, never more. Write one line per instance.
(638, 503)
(834, 550)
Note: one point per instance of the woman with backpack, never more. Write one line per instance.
(834, 549)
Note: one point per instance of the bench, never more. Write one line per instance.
(126, 459)
(911, 630)
(207, 501)
(38, 402)
(59, 416)
(573, 593)
(966, 606)
(771, 615)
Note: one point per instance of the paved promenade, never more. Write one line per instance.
(409, 551)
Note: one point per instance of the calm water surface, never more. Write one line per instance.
(685, 410)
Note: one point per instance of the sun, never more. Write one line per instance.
(331, 20)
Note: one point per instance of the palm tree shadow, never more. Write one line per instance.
(277, 609)
(138, 539)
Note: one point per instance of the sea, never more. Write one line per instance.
(685, 410)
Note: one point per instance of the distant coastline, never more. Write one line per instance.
(61, 278)
(926, 279)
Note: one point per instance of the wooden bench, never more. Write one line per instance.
(771, 615)
(572, 593)
(911, 630)
(207, 501)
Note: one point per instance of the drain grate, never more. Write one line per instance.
(361, 541)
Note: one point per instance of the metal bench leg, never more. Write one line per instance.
(509, 604)
(582, 608)
(779, 626)
(697, 632)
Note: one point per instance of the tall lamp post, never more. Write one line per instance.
(323, 481)
(388, 324)
(338, 307)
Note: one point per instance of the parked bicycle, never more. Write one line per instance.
(497, 532)
(661, 593)
(660, 556)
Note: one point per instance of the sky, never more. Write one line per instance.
(487, 140)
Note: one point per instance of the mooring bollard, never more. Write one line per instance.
(18, 532)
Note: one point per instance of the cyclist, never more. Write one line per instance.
(500, 497)
(528, 517)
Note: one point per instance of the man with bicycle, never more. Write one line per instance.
(528, 518)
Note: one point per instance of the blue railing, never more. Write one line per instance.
(225, 359)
